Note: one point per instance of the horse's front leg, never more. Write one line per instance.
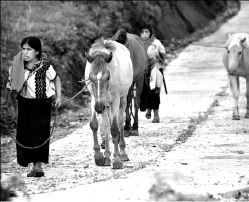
(247, 98)
(98, 156)
(105, 131)
(115, 132)
(122, 144)
(235, 88)
(139, 87)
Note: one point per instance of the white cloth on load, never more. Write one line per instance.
(156, 77)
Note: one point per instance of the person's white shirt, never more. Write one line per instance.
(30, 79)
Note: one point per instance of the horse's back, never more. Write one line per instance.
(224, 59)
(124, 66)
(138, 55)
(246, 52)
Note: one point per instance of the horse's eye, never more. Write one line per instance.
(239, 52)
(107, 76)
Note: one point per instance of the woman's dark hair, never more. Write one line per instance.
(146, 26)
(34, 43)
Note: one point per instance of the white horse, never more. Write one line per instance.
(109, 69)
(236, 62)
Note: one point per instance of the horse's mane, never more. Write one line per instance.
(102, 46)
(235, 38)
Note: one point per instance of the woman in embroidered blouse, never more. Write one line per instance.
(150, 96)
(36, 82)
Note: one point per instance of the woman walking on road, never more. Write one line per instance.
(150, 96)
(36, 83)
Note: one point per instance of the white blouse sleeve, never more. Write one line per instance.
(26, 74)
(161, 47)
(51, 73)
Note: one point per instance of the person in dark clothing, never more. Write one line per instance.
(150, 96)
(36, 83)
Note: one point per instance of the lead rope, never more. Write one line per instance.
(54, 122)
(187, 43)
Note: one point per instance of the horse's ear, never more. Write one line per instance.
(229, 38)
(243, 40)
(108, 59)
(89, 57)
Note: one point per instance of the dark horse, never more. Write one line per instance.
(139, 62)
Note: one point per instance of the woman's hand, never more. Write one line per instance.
(58, 102)
(8, 86)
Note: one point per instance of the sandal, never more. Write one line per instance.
(34, 173)
(39, 173)
(31, 174)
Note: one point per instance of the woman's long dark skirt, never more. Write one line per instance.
(149, 99)
(33, 128)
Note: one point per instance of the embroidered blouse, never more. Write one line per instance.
(39, 82)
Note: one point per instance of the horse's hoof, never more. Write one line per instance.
(99, 159)
(124, 157)
(236, 117)
(134, 133)
(127, 133)
(247, 115)
(107, 161)
(117, 165)
(155, 120)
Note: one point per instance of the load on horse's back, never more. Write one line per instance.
(139, 61)
(109, 68)
(236, 62)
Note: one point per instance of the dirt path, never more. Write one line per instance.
(196, 111)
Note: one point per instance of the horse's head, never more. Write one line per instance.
(99, 77)
(120, 36)
(234, 52)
